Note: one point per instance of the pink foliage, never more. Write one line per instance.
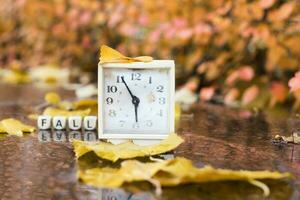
(294, 83)
(250, 95)
(206, 93)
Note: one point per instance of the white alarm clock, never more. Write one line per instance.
(136, 100)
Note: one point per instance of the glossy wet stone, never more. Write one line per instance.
(43, 166)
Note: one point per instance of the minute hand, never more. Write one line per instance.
(132, 96)
(135, 100)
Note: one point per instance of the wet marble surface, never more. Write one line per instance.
(43, 166)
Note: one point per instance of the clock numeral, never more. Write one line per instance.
(136, 76)
(112, 113)
(160, 113)
(149, 123)
(112, 89)
(122, 123)
(150, 80)
(109, 100)
(160, 88)
(162, 100)
(119, 80)
(111, 198)
(136, 125)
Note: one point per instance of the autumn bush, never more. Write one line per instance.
(235, 52)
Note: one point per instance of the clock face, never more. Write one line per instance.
(136, 101)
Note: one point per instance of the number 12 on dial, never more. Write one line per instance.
(136, 100)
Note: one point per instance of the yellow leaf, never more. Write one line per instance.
(14, 127)
(52, 98)
(294, 138)
(110, 55)
(177, 111)
(16, 77)
(60, 112)
(83, 104)
(125, 150)
(171, 173)
(33, 116)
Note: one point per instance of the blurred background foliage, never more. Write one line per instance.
(237, 52)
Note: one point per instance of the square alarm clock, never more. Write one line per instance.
(136, 100)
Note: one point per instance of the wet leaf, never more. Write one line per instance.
(177, 111)
(52, 98)
(15, 127)
(171, 173)
(85, 103)
(294, 138)
(50, 75)
(109, 55)
(15, 77)
(126, 150)
(61, 112)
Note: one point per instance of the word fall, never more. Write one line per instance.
(45, 122)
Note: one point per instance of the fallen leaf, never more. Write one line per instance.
(294, 138)
(52, 98)
(15, 77)
(177, 111)
(50, 75)
(85, 103)
(60, 112)
(110, 55)
(171, 173)
(185, 96)
(86, 91)
(33, 116)
(14, 127)
(125, 150)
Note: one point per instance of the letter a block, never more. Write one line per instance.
(59, 122)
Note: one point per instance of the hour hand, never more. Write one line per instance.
(135, 102)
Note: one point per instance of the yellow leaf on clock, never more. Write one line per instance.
(110, 55)
(125, 150)
(171, 173)
(14, 127)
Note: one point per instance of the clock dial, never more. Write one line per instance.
(136, 101)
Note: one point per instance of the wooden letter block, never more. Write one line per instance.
(74, 122)
(44, 122)
(90, 122)
(59, 122)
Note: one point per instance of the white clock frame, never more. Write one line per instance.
(155, 64)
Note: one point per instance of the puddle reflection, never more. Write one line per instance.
(65, 136)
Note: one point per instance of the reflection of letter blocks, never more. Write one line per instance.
(59, 122)
(90, 122)
(44, 122)
(74, 122)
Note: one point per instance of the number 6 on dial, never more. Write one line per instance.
(136, 100)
